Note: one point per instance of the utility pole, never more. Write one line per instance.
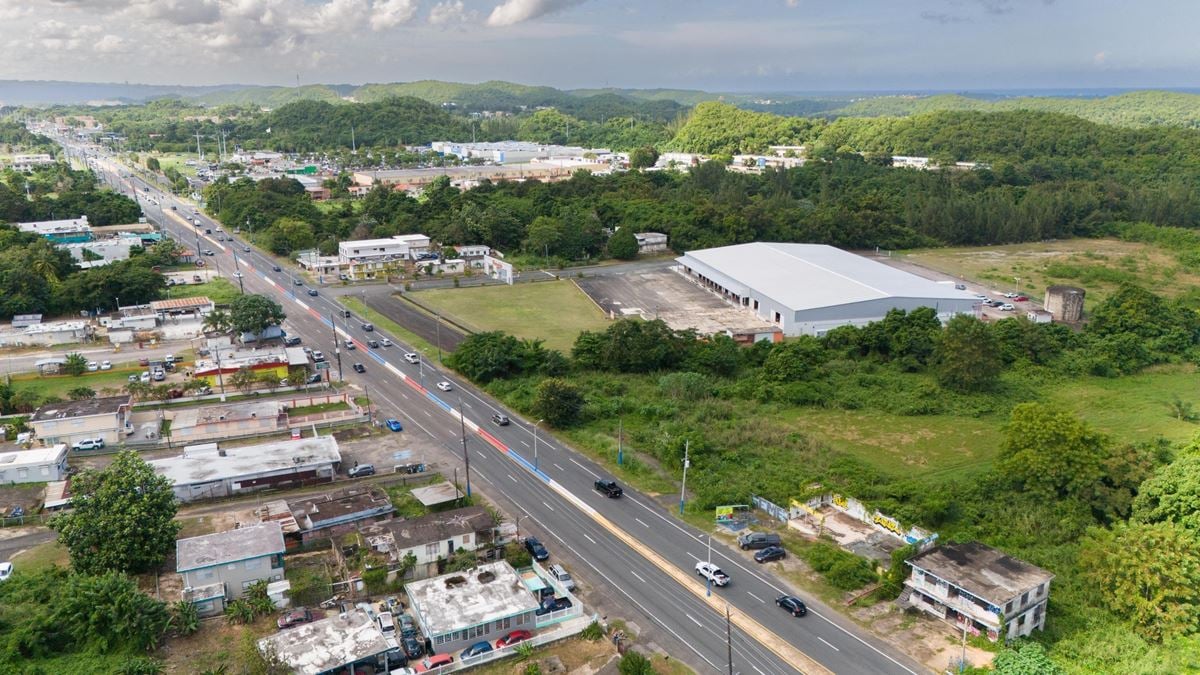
(337, 350)
(371, 415)
(683, 486)
(462, 422)
(728, 641)
(620, 449)
(535, 453)
(709, 584)
(438, 319)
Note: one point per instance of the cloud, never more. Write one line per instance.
(111, 44)
(517, 11)
(1100, 59)
(450, 12)
(997, 6)
(944, 18)
(387, 14)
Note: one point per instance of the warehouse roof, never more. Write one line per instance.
(205, 463)
(807, 276)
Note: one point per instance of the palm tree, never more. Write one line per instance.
(218, 321)
(45, 269)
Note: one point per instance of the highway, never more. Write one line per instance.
(643, 556)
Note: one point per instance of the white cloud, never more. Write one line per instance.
(1100, 58)
(111, 44)
(391, 13)
(512, 12)
(450, 12)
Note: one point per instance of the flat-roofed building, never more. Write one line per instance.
(338, 644)
(60, 231)
(68, 422)
(206, 471)
(236, 559)
(461, 608)
(37, 465)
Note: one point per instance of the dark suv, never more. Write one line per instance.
(791, 605)
(758, 540)
(609, 488)
(536, 549)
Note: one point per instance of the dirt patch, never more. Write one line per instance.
(578, 657)
(923, 638)
(214, 646)
(28, 497)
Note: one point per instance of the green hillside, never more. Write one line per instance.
(270, 97)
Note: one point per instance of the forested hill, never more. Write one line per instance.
(1134, 109)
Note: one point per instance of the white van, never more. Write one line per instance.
(565, 579)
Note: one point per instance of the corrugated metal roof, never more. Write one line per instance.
(808, 276)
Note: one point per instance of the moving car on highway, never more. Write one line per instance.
(713, 573)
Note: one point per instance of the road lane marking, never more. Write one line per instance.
(828, 643)
(481, 454)
(639, 577)
(552, 508)
(641, 521)
(756, 597)
(510, 477)
(583, 467)
(694, 620)
(558, 466)
(589, 539)
(525, 443)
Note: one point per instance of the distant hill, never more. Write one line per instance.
(53, 92)
(688, 97)
(273, 97)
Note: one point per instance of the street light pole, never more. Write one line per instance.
(337, 351)
(535, 452)
(620, 449)
(683, 486)
(519, 519)
(462, 422)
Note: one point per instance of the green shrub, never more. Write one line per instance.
(843, 570)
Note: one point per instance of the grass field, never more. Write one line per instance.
(219, 290)
(59, 385)
(1097, 265)
(1135, 407)
(554, 311)
(178, 160)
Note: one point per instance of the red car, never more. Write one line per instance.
(294, 618)
(513, 638)
(1020, 298)
(434, 662)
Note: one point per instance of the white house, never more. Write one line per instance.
(39, 465)
(429, 538)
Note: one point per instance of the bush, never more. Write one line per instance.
(375, 580)
(593, 632)
(633, 663)
(843, 570)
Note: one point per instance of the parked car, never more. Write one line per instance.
(312, 292)
(408, 627)
(500, 419)
(294, 617)
(385, 342)
(1007, 307)
(608, 488)
(361, 470)
(6, 570)
(291, 340)
(318, 356)
(394, 424)
(313, 379)
(553, 604)
(88, 444)
(445, 386)
(536, 549)
(238, 275)
(413, 648)
(16, 512)
(770, 553)
(713, 573)
(92, 366)
(477, 649)
(386, 625)
(758, 540)
(1010, 295)
(359, 368)
(106, 365)
(513, 638)
(368, 327)
(960, 287)
(434, 662)
(1021, 298)
(559, 573)
(411, 357)
(792, 605)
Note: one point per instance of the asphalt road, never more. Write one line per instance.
(550, 490)
(382, 300)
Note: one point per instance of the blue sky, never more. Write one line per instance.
(727, 45)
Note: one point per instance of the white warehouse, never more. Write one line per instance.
(808, 289)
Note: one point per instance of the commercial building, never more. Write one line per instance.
(206, 471)
(979, 588)
(651, 242)
(469, 176)
(808, 289)
(430, 539)
(71, 421)
(46, 334)
(514, 152)
(27, 163)
(60, 231)
(364, 258)
(39, 465)
(225, 362)
(196, 307)
(338, 644)
(220, 567)
(215, 422)
(461, 608)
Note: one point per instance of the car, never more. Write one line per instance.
(245, 249)
(296, 434)
(88, 444)
(757, 540)
(608, 488)
(368, 327)
(291, 340)
(770, 553)
(386, 625)
(106, 365)
(312, 292)
(385, 342)
(294, 617)
(133, 378)
(553, 604)
(477, 649)
(313, 379)
(350, 345)
(500, 419)
(359, 470)
(412, 358)
(792, 605)
(434, 662)
(6, 570)
(276, 268)
(394, 424)
(159, 375)
(144, 378)
(1021, 298)
(408, 627)
(412, 647)
(359, 368)
(208, 251)
(373, 344)
(297, 282)
(238, 275)
(536, 549)
(445, 386)
(318, 356)
(1007, 307)
(996, 303)
(713, 573)
(513, 638)
(981, 296)
(144, 361)
(960, 287)
(1010, 295)
(173, 208)
(92, 366)
(560, 573)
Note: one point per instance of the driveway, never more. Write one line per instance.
(13, 540)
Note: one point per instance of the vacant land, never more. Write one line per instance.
(58, 385)
(1097, 265)
(554, 311)
(219, 290)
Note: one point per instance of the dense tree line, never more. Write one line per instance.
(58, 192)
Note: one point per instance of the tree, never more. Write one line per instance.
(1171, 495)
(643, 157)
(76, 364)
(123, 518)
(1050, 453)
(794, 360)
(634, 663)
(255, 313)
(244, 380)
(623, 245)
(81, 393)
(559, 402)
(543, 235)
(1148, 574)
(483, 357)
(218, 321)
(153, 164)
(1025, 658)
(967, 356)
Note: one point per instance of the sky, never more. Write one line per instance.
(716, 45)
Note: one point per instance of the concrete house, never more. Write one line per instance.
(651, 242)
(307, 519)
(461, 608)
(979, 588)
(220, 567)
(39, 465)
(338, 644)
(71, 421)
(430, 538)
(205, 471)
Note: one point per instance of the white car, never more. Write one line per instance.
(106, 365)
(713, 573)
(385, 342)
(445, 386)
(88, 444)
(1007, 307)
(145, 377)
(6, 570)
(386, 625)
(412, 358)
(92, 366)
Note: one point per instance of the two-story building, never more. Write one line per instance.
(64, 231)
(473, 254)
(979, 588)
(220, 567)
(67, 422)
(39, 465)
(429, 539)
(485, 602)
(651, 242)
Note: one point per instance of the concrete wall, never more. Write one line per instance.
(237, 576)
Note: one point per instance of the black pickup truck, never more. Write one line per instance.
(609, 488)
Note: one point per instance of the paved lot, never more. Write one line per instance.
(382, 300)
(992, 313)
(667, 295)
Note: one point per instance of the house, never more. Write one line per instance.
(27, 163)
(231, 561)
(67, 422)
(473, 255)
(206, 471)
(215, 422)
(323, 516)
(338, 644)
(651, 242)
(429, 539)
(26, 320)
(483, 603)
(38, 465)
(979, 588)
(46, 334)
(60, 231)
(364, 258)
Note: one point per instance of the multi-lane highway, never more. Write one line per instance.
(639, 556)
